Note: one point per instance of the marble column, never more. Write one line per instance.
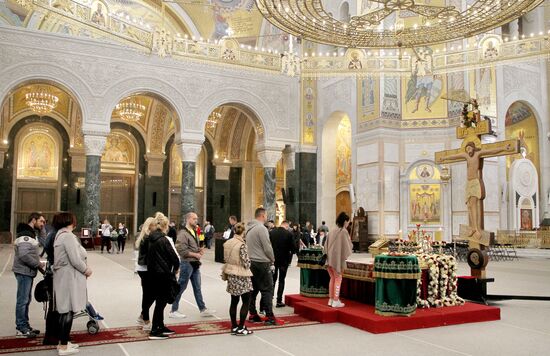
(269, 159)
(94, 146)
(188, 153)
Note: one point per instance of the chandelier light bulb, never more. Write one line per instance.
(40, 100)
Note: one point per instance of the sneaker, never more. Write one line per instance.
(140, 320)
(243, 331)
(166, 331)
(255, 318)
(98, 317)
(330, 302)
(280, 305)
(146, 327)
(176, 315)
(35, 331)
(234, 330)
(70, 345)
(338, 304)
(207, 312)
(26, 333)
(273, 321)
(157, 335)
(67, 351)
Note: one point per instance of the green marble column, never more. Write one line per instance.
(269, 192)
(187, 189)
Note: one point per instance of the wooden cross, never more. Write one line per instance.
(473, 152)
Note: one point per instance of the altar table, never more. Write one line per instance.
(314, 278)
(396, 284)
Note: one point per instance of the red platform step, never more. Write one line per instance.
(362, 316)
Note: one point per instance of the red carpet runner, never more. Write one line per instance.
(132, 334)
(362, 316)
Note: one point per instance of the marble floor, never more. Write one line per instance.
(115, 291)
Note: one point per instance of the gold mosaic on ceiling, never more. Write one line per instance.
(18, 103)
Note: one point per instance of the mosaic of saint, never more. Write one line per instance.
(175, 167)
(38, 157)
(343, 153)
(118, 150)
(425, 196)
(521, 123)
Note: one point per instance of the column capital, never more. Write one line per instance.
(289, 158)
(269, 158)
(94, 145)
(189, 151)
(155, 164)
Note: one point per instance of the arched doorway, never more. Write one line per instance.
(523, 169)
(336, 171)
(136, 163)
(235, 177)
(40, 127)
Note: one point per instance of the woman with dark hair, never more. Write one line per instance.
(239, 278)
(338, 248)
(70, 271)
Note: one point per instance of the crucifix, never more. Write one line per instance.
(472, 151)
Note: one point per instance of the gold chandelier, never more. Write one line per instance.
(40, 100)
(130, 109)
(309, 20)
(213, 119)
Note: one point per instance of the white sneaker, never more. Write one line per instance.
(67, 351)
(338, 304)
(207, 312)
(140, 320)
(176, 315)
(72, 346)
(330, 302)
(146, 327)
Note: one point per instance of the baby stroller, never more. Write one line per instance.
(43, 293)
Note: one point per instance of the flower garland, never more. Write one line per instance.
(442, 282)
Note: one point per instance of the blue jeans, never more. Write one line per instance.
(24, 289)
(187, 272)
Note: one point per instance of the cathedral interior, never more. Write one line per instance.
(117, 109)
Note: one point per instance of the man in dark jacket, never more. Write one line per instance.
(190, 253)
(283, 244)
(26, 262)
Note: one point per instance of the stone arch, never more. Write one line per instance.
(22, 74)
(160, 89)
(254, 106)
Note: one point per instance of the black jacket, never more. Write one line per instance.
(143, 250)
(283, 245)
(161, 257)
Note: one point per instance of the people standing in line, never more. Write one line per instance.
(188, 248)
(261, 265)
(26, 262)
(147, 293)
(106, 230)
(338, 249)
(70, 271)
(239, 283)
(284, 247)
(162, 265)
(122, 232)
(209, 231)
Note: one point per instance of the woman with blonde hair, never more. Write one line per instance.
(142, 246)
(162, 264)
(238, 275)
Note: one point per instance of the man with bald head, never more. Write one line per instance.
(190, 253)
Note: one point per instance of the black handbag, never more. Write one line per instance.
(323, 259)
(173, 289)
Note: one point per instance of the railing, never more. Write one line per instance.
(387, 62)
